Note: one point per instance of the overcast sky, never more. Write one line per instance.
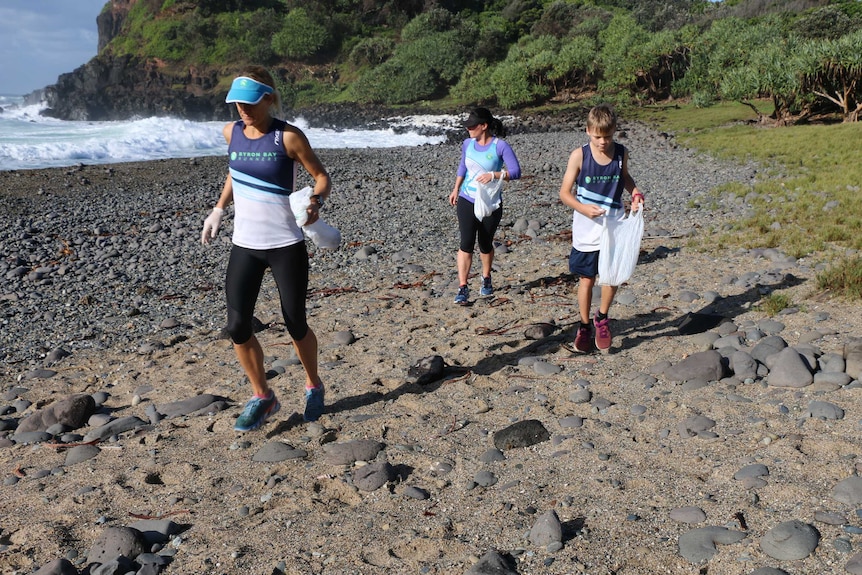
(41, 39)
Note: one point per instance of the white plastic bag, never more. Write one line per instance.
(299, 201)
(619, 248)
(487, 198)
(322, 234)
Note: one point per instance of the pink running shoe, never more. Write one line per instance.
(584, 339)
(603, 332)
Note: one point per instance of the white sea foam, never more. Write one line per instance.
(29, 140)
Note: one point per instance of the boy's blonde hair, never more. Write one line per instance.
(602, 119)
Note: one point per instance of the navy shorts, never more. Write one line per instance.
(584, 264)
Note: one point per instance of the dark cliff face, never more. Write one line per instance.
(124, 87)
(110, 21)
(108, 88)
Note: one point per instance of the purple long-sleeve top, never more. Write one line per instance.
(510, 161)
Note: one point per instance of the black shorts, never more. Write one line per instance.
(584, 264)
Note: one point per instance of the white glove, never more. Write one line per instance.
(211, 225)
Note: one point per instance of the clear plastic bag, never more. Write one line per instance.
(322, 234)
(488, 198)
(619, 248)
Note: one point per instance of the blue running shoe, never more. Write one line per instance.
(313, 403)
(487, 289)
(463, 295)
(257, 411)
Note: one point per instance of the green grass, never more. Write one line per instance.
(845, 279)
(685, 118)
(808, 200)
(772, 304)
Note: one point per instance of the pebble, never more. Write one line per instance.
(546, 530)
(790, 540)
(688, 514)
(699, 544)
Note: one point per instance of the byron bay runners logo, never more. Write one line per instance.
(254, 156)
(601, 179)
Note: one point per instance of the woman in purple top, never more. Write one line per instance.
(485, 157)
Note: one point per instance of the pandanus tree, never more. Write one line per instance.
(835, 73)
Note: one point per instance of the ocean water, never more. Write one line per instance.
(30, 141)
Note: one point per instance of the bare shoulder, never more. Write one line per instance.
(227, 130)
(576, 158)
(291, 131)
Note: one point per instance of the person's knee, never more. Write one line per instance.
(298, 331)
(239, 331)
(486, 248)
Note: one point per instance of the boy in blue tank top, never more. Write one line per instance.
(596, 176)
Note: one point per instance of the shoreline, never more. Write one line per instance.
(445, 126)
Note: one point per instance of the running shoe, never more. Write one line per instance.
(486, 289)
(463, 295)
(256, 411)
(603, 332)
(584, 339)
(313, 403)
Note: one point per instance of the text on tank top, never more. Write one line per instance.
(598, 184)
(263, 177)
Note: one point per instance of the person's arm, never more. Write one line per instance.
(512, 170)
(226, 196)
(460, 174)
(567, 190)
(629, 184)
(213, 221)
(297, 147)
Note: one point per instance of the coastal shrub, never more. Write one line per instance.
(557, 20)
(394, 82)
(711, 53)
(442, 53)
(511, 81)
(300, 36)
(619, 45)
(522, 15)
(575, 64)
(475, 85)
(773, 303)
(427, 24)
(421, 68)
(593, 25)
(493, 39)
(826, 22)
(843, 279)
(701, 99)
(166, 39)
(372, 51)
(236, 37)
(831, 70)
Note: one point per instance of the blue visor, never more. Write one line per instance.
(247, 91)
